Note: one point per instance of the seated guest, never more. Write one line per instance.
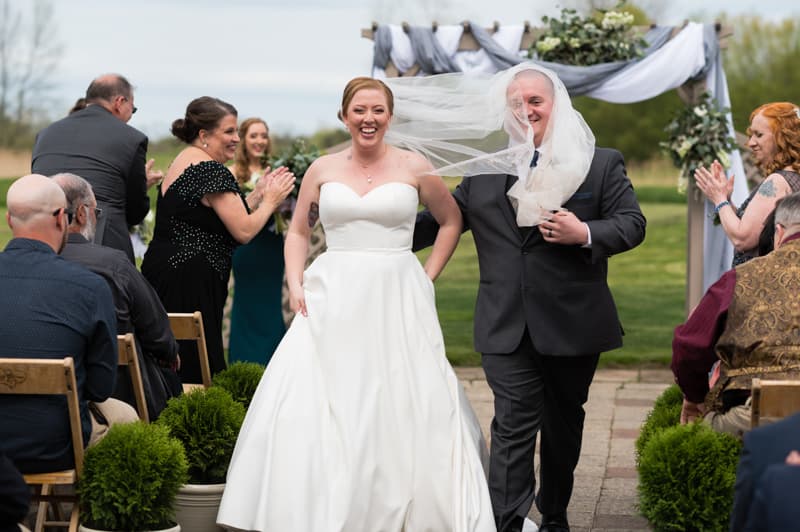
(139, 311)
(15, 496)
(53, 308)
(748, 321)
(768, 478)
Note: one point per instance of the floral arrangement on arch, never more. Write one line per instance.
(584, 41)
(698, 135)
(297, 158)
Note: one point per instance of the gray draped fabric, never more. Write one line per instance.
(430, 55)
(578, 79)
(500, 57)
(383, 47)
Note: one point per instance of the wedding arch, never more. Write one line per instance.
(686, 58)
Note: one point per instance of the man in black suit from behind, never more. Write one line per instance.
(544, 311)
(96, 143)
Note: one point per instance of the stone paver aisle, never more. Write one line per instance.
(604, 496)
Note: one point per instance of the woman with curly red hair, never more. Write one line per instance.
(775, 143)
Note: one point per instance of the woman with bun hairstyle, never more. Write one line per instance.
(201, 217)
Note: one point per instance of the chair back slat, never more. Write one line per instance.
(189, 326)
(772, 400)
(128, 356)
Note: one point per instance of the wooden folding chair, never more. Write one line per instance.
(129, 357)
(772, 400)
(189, 326)
(49, 377)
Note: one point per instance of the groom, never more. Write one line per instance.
(544, 311)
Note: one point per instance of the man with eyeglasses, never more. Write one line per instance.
(138, 307)
(95, 142)
(53, 308)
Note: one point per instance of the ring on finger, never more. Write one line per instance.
(550, 233)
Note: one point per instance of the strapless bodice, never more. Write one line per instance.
(380, 220)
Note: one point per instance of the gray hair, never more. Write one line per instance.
(77, 190)
(787, 211)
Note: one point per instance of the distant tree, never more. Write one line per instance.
(761, 64)
(29, 54)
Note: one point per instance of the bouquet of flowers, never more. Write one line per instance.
(696, 136)
(297, 159)
(573, 40)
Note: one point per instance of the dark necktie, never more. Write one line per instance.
(535, 158)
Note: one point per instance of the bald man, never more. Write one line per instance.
(96, 143)
(51, 309)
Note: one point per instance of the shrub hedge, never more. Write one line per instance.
(686, 478)
(130, 479)
(240, 379)
(666, 412)
(207, 422)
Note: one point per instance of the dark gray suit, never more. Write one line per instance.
(139, 311)
(110, 155)
(557, 294)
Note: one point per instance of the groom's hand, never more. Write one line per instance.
(563, 227)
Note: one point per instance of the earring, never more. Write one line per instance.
(205, 145)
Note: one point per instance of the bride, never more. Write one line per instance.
(359, 423)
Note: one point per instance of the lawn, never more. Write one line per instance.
(648, 282)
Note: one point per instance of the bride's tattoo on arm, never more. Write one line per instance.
(313, 214)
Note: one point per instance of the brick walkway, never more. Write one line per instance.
(604, 497)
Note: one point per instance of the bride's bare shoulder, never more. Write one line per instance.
(414, 162)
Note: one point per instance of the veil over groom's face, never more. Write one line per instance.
(530, 100)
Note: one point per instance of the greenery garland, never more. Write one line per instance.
(584, 41)
(696, 137)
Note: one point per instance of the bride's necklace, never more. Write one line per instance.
(365, 167)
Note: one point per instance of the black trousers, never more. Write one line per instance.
(533, 393)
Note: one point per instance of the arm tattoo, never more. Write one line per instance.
(313, 214)
(767, 189)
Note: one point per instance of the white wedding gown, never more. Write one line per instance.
(359, 423)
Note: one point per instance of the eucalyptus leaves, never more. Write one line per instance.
(573, 40)
(696, 136)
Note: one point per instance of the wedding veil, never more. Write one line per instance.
(464, 125)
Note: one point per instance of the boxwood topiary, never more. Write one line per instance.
(240, 379)
(686, 478)
(130, 479)
(666, 412)
(207, 422)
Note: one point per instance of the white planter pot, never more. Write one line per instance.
(196, 507)
(176, 528)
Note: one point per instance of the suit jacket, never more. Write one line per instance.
(558, 292)
(775, 505)
(110, 155)
(763, 447)
(139, 311)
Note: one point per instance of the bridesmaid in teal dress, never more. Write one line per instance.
(256, 318)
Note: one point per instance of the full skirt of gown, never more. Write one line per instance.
(359, 422)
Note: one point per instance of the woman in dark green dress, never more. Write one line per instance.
(201, 217)
(257, 324)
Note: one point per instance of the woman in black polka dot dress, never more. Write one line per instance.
(200, 219)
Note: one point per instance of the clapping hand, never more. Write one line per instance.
(714, 183)
(275, 185)
(153, 176)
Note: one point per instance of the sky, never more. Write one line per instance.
(286, 61)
